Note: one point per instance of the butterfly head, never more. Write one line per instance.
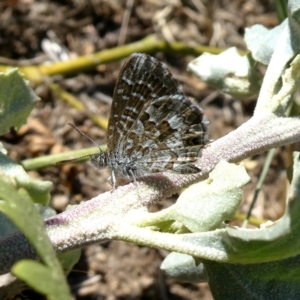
(99, 160)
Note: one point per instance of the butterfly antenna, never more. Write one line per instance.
(67, 161)
(78, 130)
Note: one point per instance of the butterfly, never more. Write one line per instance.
(153, 127)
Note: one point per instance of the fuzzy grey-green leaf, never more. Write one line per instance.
(229, 72)
(183, 267)
(205, 205)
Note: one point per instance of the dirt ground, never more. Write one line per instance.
(118, 270)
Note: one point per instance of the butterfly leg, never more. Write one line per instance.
(132, 176)
(112, 180)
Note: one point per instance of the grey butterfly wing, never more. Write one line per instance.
(142, 80)
(168, 134)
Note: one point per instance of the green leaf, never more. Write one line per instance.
(7, 227)
(229, 72)
(69, 259)
(277, 47)
(278, 240)
(274, 241)
(257, 263)
(273, 280)
(38, 190)
(44, 280)
(16, 100)
(18, 207)
(290, 83)
(205, 205)
(183, 267)
(262, 41)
